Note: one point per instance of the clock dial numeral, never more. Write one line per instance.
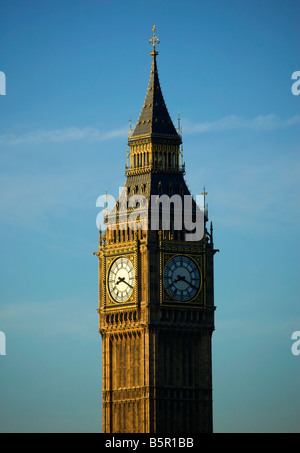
(182, 278)
(121, 279)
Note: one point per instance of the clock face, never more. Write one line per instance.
(182, 278)
(121, 279)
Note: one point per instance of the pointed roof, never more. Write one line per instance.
(154, 120)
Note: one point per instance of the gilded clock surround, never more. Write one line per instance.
(121, 279)
(109, 301)
(156, 351)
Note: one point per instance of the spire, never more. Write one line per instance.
(154, 120)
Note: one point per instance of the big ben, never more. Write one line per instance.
(156, 287)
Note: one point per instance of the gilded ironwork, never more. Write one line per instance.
(154, 40)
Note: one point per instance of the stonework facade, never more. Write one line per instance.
(156, 296)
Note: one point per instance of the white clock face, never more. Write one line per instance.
(121, 279)
(182, 278)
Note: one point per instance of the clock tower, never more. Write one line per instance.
(156, 288)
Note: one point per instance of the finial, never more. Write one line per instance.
(181, 155)
(100, 238)
(154, 40)
(129, 131)
(211, 233)
(179, 123)
(204, 204)
(105, 209)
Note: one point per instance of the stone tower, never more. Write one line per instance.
(156, 288)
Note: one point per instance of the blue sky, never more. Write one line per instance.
(75, 71)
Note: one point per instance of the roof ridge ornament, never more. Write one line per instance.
(154, 40)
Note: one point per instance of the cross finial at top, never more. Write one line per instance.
(204, 193)
(154, 40)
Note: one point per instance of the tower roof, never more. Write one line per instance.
(154, 120)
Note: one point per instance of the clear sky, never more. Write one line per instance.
(75, 71)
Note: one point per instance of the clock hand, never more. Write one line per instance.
(179, 278)
(189, 283)
(182, 278)
(122, 280)
(128, 284)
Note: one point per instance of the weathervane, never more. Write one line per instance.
(154, 40)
